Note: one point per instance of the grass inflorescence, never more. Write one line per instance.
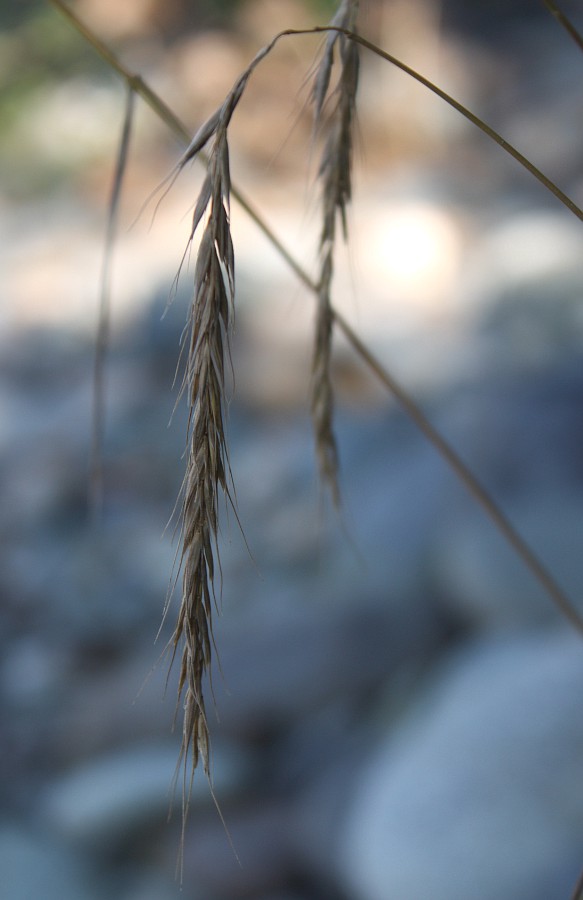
(206, 347)
(335, 173)
(207, 464)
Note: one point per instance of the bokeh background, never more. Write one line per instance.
(398, 708)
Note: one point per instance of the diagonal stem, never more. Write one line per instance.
(467, 477)
(578, 890)
(565, 22)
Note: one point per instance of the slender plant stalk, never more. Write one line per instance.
(565, 22)
(578, 890)
(102, 338)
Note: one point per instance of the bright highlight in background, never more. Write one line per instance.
(415, 251)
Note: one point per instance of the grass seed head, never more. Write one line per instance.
(335, 173)
(207, 464)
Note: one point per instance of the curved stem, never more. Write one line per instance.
(103, 324)
(459, 107)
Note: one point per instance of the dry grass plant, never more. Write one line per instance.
(206, 340)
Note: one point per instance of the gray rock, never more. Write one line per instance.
(123, 703)
(480, 792)
(286, 895)
(105, 800)
(155, 885)
(252, 860)
(394, 484)
(280, 662)
(34, 865)
(31, 673)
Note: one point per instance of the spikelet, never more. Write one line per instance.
(207, 478)
(335, 176)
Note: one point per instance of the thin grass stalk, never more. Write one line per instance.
(565, 22)
(578, 889)
(102, 337)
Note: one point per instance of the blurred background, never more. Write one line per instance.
(398, 707)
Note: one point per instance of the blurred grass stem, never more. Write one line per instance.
(567, 25)
(96, 486)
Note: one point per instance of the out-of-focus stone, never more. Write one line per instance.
(107, 799)
(34, 865)
(479, 793)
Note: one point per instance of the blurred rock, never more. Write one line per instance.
(122, 701)
(37, 866)
(478, 794)
(101, 802)
(278, 665)
(252, 859)
(394, 484)
(322, 805)
(286, 895)
(104, 801)
(154, 885)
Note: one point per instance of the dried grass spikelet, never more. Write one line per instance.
(206, 345)
(335, 176)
